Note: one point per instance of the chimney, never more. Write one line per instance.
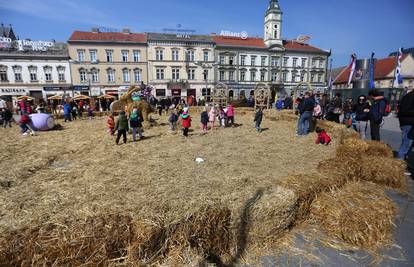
(95, 30)
(126, 30)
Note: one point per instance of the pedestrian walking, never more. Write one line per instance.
(406, 118)
(376, 114)
(136, 125)
(361, 110)
(204, 119)
(186, 121)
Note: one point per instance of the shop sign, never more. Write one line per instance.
(23, 45)
(242, 35)
(13, 91)
(6, 42)
(81, 88)
(95, 91)
(55, 88)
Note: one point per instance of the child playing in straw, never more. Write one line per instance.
(173, 120)
(186, 121)
(258, 119)
(110, 123)
(204, 119)
(323, 137)
(212, 117)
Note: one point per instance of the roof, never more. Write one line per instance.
(179, 37)
(238, 42)
(113, 37)
(405, 51)
(292, 45)
(383, 67)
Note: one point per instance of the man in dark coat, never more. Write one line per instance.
(376, 114)
(406, 117)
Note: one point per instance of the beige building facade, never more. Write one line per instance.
(107, 62)
(181, 65)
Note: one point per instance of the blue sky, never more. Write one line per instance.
(346, 27)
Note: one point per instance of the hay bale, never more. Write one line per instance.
(307, 187)
(352, 148)
(93, 241)
(380, 170)
(359, 213)
(379, 149)
(272, 214)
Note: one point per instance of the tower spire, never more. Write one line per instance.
(273, 25)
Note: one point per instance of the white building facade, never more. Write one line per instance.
(34, 73)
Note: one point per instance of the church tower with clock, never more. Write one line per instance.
(273, 25)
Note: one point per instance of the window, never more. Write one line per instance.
(284, 76)
(33, 74)
(206, 56)
(124, 55)
(81, 55)
(61, 74)
(313, 63)
(82, 75)
(295, 61)
(231, 60)
(302, 77)
(275, 61)
(94, 75)
(160, 74)
(159, 54)
(253, 61)
(242, 75)
(294, 74)
(111, 75)
(109, 56)
(222, 59)
(304, 62)
(221, 75)
(263, 61)
(92, 55)
(262, 76)
(17, 73)
(285, 61)
(319, 77)
(231, 75)
(312, 77)
(253, 75)
(125, 75)
(190, 55)
(274, 76)
(3, 74)
(205, 74)
(243, 60)
(191, 74)
(175, 74)
(137, 76)
(48, 74)
(175, 55)
(137, 56)
(321, 64)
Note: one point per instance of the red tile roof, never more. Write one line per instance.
(383, 67)
(108, 37)
(235, 41)
(292, 45)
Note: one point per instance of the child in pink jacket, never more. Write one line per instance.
(230, 115)
(212, 117)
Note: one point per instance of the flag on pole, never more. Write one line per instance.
(372, 72)
(352, 68)
(330, 82)
(398, 78)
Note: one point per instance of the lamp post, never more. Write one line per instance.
(205, 67)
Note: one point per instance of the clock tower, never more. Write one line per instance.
(273, 25)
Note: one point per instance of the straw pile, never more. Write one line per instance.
(359, 213)
(172, 209)
(307, 187)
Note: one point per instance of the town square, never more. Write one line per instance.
(189, 133)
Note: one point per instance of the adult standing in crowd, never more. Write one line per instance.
(305, 110)
(323, 103)
(3, 104)
(406, 117)
(334, 109)
(361, 110)
(376, 114)
(288, 102)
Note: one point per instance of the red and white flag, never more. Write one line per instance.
(352, 68)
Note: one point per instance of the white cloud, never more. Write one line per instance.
(60, 10)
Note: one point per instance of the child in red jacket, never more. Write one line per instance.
(186, 120)
(323, 137)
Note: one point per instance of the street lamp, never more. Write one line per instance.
(205, 67)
